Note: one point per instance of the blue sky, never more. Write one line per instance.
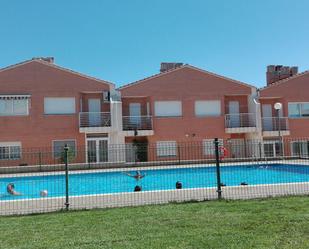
(125, 40)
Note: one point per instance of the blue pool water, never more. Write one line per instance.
(159, 179)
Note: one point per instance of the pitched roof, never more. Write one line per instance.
(279, 82)
(179, 68)
(54, 66)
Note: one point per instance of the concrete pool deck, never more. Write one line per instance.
(43, 205)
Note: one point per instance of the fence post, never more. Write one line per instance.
(66, 149)
(40, 160)
(178, 151)
(219, 191)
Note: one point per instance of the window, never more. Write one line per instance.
(209, 146)
(300, 148)
(59, 105)
(208, 108)
(13, 107)
(297, 110)
(58, 148)
(10, 151)
(168, 109)
(166, 148)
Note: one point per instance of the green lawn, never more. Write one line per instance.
(272, 223)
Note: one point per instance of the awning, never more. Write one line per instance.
(15, 96)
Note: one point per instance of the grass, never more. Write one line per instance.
(272, 223)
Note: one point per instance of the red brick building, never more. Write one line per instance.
(188, 104)
(43, 105)
(293, 93)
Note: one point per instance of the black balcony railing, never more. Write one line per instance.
(240, 120)
(275, 124)
(94, 119)
(137, 123)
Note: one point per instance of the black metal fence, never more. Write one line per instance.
(43, 180)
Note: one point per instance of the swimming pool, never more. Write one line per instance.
(156, 179)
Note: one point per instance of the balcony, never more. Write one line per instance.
(240, 123)
(272, 125)
(138, 125)
(94, 122)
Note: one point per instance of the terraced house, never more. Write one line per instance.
(187, 104)
(290, 88)
(44, 106)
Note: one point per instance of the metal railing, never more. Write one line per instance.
(240, 120)
(275, 124)
(137, 123)
(94, 119)
(196, 170)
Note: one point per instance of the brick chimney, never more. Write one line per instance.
(47, 59)
(166, 66)
(278, 72)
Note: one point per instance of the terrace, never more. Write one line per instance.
(275, 126)
(92, 122)
(240, 123)
(138, 125)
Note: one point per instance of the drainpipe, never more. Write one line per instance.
(259, 126)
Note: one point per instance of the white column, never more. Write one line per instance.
(116, 115)
(116, 137)
(255, 139)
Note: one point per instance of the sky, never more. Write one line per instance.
(126, 40)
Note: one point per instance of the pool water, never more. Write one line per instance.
(155, 179)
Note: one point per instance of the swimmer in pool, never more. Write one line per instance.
(10, 188)
(137, 176)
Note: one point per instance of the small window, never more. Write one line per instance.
(59, 105)
(300, 148)
(294, 110)
(14, 107)
(168, 109)
(205, 108)
(297, 110)
(209, 146)
(305, 109)
(58, 148)
(166, 148)
(10, 151)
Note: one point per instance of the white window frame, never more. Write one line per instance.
(166, 148)
(59, 112)
(209, 146)
(302, 144)
(12, 112)
(275, 145)
(299, 105)
(178, 102)
(10, 145)
(207, 102)
(64, 140)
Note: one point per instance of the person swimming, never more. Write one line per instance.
(10, 188)
(137, 176)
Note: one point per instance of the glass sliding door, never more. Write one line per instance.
(272, 148)
(92, 151)
(103, 151)
(97, 150)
